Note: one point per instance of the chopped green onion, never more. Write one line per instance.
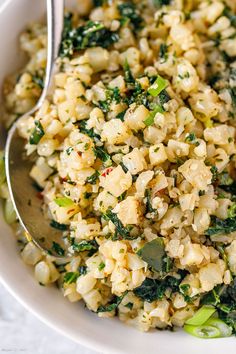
(2, 168)
(9, 212)
(63, 202)
(225, 330)
(203, 331)
(37, 133)
(150, 119)
(158, 86)
(58, 249)
(201, 316)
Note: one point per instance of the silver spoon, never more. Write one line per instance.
(27, 205)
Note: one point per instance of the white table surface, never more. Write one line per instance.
(22, 333)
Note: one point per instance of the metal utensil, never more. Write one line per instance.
(27, 205)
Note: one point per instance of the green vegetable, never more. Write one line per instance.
(201, 316)
(93, 178)
(149, 208)
(113, 305)
(9, 212)
(204, 331)
(92, 34)
(37, 133)
(2, 168)
(129, 79)
(90, 132)
(103, 155)
(223, 297)
(98, 3)
(159, 85)
(121, 231)
(232, 211)
(82, 270)
(214, 172)
(58, 226)
(85, 246)
(153, 253)
(70, 277)
(154, 289)
(112, 95)
(160, 3)
(150, 119)
(190, 138)
(101, 266)
(58, 249)
(219, 226)
(38, 80)
(63, 202)
(225, 330)
(163, 51)
(163, 97)
(129, 12)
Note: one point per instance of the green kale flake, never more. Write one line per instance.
(219, 226)
(38, 80)
(93, 178)
(129, 12)
(58, 249)
(92, 34)
(90, 132)
(153, 253)
(154, 289)
(112, 305)
(121, 231)
(160, 3)
(85, 246)
(58, 226)
(37, 133)
(70, 277)
(103, 155)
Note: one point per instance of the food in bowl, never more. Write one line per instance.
(136, 161)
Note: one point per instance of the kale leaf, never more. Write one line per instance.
(92, 34)
(112, 305)
(153, 253)
(84, 245)
(121, 231)
(160, 3)
(58, 249)
(103, 155)
(58, 226)
(219, 226)
(223, 297)
(154, 289)
(129, 12)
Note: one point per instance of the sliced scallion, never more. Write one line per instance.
(63, 202)
(150, 119)
(201, 316)
(158, 86)
(203, 331)
(225, 330)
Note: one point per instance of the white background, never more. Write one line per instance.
(22, 333)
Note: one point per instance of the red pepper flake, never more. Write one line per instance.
(39, 195)
(79, 153)
(63, 179)
(70, 211)
(160, 193)
(107, 171)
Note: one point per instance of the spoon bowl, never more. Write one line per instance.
(26, 200)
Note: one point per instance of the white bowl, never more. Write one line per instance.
(47, 303)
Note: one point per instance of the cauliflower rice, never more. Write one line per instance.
(136, 157)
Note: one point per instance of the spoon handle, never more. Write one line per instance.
(55, 21)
